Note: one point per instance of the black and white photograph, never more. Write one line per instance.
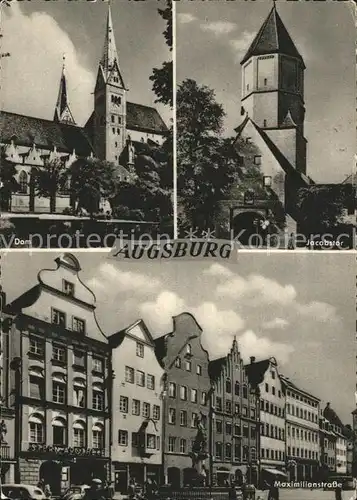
(179, 380)
(86, 120)
(266, 122)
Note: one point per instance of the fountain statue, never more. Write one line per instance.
(199, 453)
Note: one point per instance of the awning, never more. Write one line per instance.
(275, 472)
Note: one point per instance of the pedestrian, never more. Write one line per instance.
(131, 489)
(338, 492)
(47, 491)
(273, 491)
(41, 484)
(95, 491)
(291, 242)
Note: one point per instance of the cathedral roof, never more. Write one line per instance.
(46, 134)
(139, 117)
(272, 38)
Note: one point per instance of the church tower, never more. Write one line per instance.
(109, 101)
(273, 88)
(63, 112)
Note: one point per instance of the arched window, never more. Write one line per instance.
(23, 182)
(98, 397)
(79, 434)
(36, 429)
(228, 386)
(59, 431)
(237, 389)
(58, 388)
(98, 436)
(79, 392)
(36, 383)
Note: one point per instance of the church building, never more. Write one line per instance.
(274, 111)
(116, 130)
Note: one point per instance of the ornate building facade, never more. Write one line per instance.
(265, 375)
(186, 397)
(136, 402)
(235, 421)
(58, 381)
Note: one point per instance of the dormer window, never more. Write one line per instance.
(58, 317)
(78, 325)
(68, 288)
(188, 349)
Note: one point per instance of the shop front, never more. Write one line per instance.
(61, 467)
(140, 473)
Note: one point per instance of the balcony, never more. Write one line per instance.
(4, 452)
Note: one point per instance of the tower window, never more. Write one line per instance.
(113, 118)
(247, 86)
(113, 129)
(265, 82)
(115, 99)
(264, 123)
(118, 131)
(116, 144)
(257, 160)
(119, 119)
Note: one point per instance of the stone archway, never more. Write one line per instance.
(248, 227)
(50, 473)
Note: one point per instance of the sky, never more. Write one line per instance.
(297, 307)
(213, 37)
(30, 77)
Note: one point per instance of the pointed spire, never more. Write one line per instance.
(110, 60)
(272, 38)
(62, 110)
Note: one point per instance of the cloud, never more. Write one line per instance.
(218, 270)
(258, 289)
(243, 42)
(320, 311)
(216, 321)
(111, 280)
(275, 324)
(30, 77)
(158, 313)
(185, 18)
(262, 347)
(219, 27)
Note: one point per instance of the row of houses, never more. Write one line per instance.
(78, 403)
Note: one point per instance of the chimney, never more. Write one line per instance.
(252, 360)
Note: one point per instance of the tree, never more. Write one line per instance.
(206, 162)
(162, 78)
(8, 181)
(147, 197)
(321, 207)
(50, 180)
(91, 181)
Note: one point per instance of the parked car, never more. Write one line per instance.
(75, 492)
(23, 492)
